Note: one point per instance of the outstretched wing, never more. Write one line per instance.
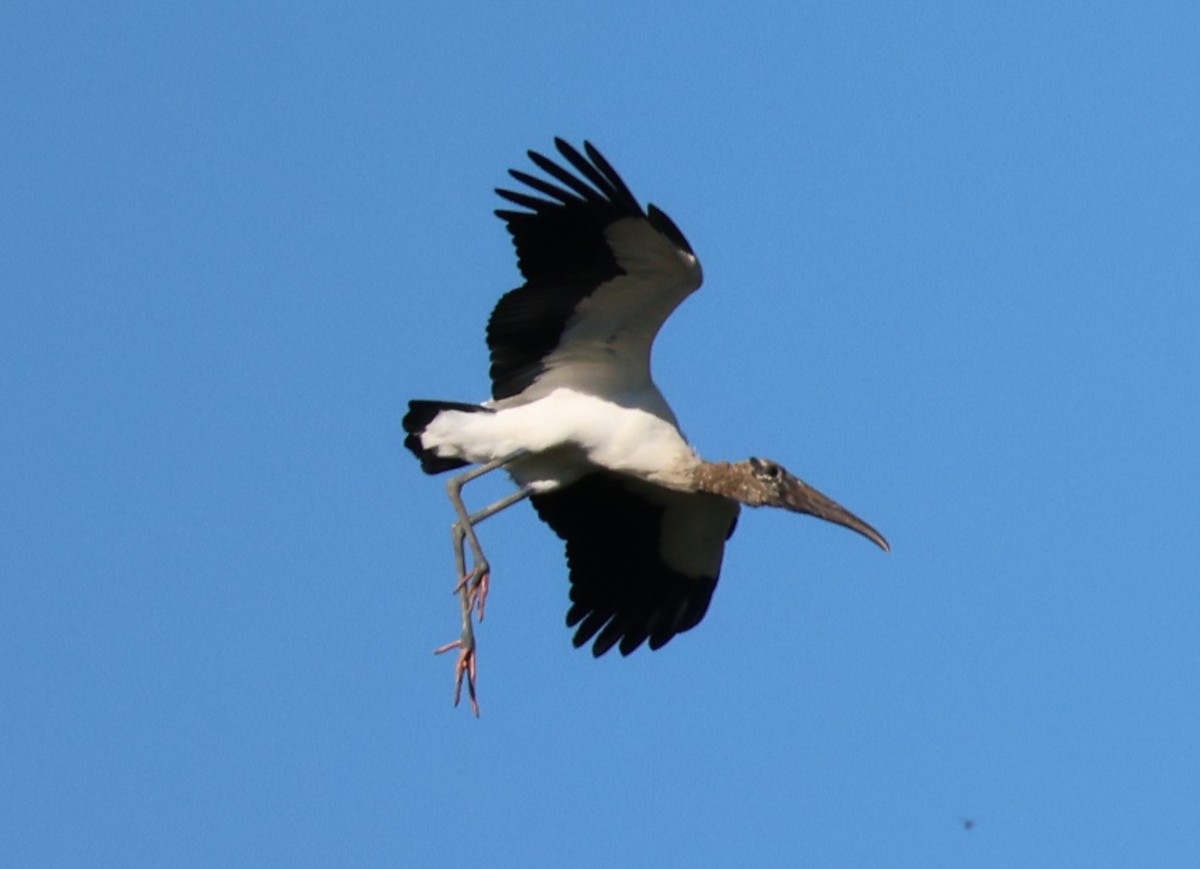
(644, 560)
(601, 277)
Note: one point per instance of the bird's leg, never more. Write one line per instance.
(466, 660)
(477, 580)
(464, 527)
(466, 641)
(471, 596)
(472, 587)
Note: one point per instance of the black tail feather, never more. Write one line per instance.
(420, 414)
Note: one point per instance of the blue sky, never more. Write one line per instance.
(952, 279)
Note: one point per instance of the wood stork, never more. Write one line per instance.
(582, 430)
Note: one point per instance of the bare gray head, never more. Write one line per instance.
(763, 483)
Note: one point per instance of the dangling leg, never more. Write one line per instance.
(465, 526)
(472, 588)
(471, 594)
(476, 583)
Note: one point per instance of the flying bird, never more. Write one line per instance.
(579, 425)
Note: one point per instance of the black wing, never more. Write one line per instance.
(644, 560)
(568, 249)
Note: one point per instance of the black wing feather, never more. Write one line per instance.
(543, 187)
(552, 169)
(622, 594)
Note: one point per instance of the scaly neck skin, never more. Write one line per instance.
(729, 480)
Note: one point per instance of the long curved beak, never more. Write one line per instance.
(803, 498)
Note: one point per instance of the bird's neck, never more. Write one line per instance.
(726, 479)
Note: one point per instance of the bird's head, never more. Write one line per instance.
(764, 483)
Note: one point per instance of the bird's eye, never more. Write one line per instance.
(770, 470)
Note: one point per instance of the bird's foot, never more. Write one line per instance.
(477, 583)
(464, 668)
